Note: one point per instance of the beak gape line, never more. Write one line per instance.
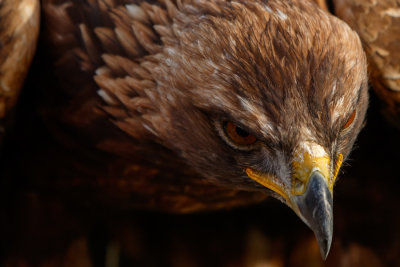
(267, 181)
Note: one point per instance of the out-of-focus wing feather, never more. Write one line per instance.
(378, 24)
(99, 51)
(19, 28)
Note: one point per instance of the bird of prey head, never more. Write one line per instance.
(264, 96)
(257, 95)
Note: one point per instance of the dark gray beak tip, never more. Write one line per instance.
(315, 207)
(324, 247)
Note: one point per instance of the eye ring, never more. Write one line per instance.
(236, 136)
(350, 121)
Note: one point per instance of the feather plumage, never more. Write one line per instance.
(145, 82)
(19, 29)
(378, 24)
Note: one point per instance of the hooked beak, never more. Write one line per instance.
(315, 208)
(310, 195)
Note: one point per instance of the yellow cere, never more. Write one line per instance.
(267, 181)
(301, 174)
(302, 171)
(337, 167)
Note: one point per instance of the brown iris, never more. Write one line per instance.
(238, 135)
(350, 120)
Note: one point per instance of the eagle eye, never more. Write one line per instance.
(350, 120)
(237, 135)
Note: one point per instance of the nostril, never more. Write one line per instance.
(298, 186)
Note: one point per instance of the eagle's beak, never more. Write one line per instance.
(314, 207)
(310, 195)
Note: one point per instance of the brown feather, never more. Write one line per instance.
(19, 28)
(143, 84)
(378, 24)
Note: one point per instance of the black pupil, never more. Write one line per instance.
(241, 132)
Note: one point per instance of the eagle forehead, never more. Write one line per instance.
(311, 148)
